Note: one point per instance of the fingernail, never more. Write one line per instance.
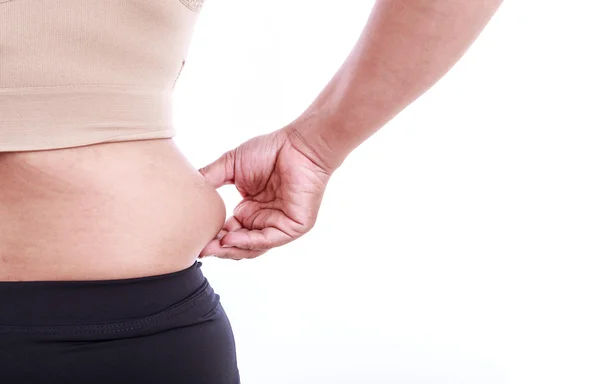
(226, 246)
(221, 234)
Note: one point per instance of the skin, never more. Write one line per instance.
(404, 49)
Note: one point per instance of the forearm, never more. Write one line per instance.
(405, 48)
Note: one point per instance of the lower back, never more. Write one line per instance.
(105, 211)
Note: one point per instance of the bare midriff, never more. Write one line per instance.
(104, 211)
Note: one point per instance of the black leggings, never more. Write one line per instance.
(167, 328)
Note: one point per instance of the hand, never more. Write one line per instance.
(282, 183)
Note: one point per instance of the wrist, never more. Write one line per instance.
(306, 135)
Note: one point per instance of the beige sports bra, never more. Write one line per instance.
(80, 72)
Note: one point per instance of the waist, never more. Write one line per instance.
(106, 211)
(34, 303)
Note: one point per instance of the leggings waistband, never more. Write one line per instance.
(30, 303)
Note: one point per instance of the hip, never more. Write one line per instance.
(105, 211)
(163, 328)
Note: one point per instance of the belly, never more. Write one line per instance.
(105, 211)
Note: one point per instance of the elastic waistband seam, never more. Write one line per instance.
(79, 283)
(119, 326)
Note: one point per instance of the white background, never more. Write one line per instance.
(459, 244)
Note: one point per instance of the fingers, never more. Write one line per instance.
(236, 242)
(220, 171)
(232, 224)
(263, 239)
(255, 227)
(214, 248)
(255, 215)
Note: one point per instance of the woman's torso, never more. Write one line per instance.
(104, 211)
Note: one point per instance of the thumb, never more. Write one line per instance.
(220, 171)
